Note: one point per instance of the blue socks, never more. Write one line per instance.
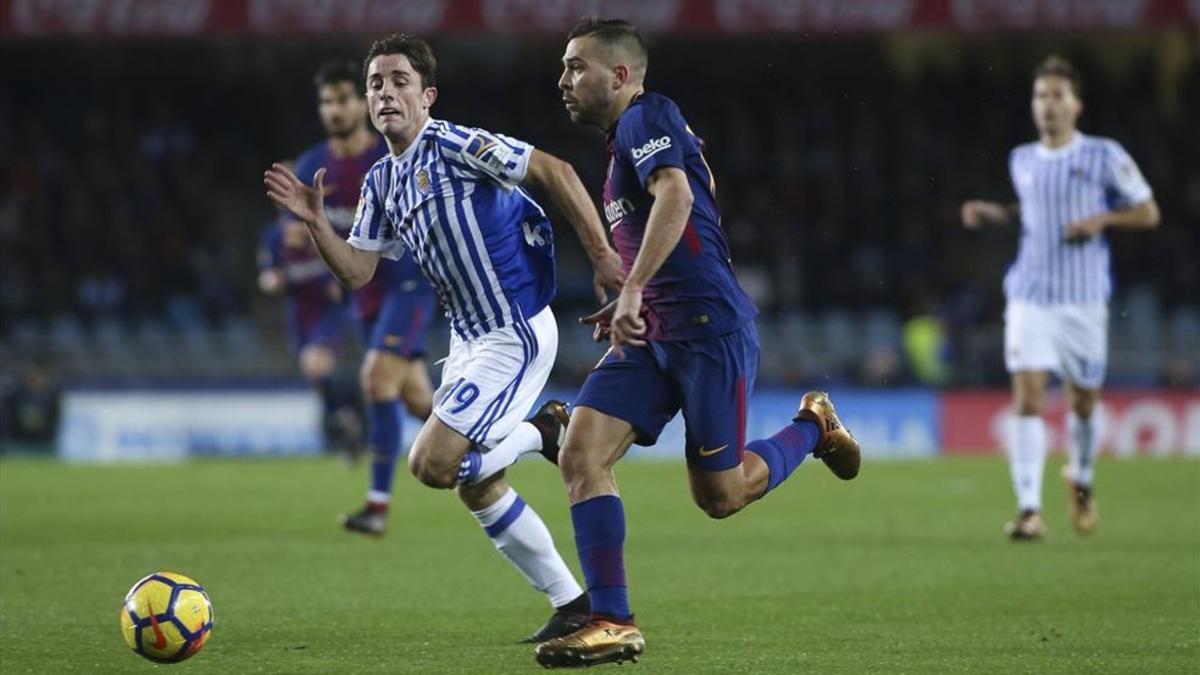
(785, 451)
(600, 539)
(383, 435)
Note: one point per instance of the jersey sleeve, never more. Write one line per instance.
(372, 230)
(484, 154)
(1122, 178)
(651, 139)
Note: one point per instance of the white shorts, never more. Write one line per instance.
(1070, 340)
(490, 383)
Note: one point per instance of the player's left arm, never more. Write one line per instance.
(558, 179)
(1135, 205)
(1142, 216)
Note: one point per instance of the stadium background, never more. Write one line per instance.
(843, 137)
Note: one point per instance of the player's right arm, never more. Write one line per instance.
(558, 179)
(976, 213)
(352, 266)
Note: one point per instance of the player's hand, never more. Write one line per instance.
(610, 274)
(271, 281)
(601, 322)
(976, 212)
(334, 291)
(1082, 230)
(627, 326)
(289, 192)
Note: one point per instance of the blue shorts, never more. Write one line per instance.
(321, 326)
(709, 380)
(401, 324)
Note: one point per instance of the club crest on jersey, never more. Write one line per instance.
(422, 181)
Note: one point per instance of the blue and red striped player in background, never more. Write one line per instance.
(395, 309)
(317, 310)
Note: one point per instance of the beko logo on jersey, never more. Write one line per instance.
(652, 146)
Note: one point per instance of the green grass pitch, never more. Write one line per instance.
(903, 570)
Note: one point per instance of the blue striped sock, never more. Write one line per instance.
(786, 450)
(383, 435)
(600, 539)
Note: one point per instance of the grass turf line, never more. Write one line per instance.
(903, 570)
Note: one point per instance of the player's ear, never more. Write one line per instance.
(621, 76)
(429, 96)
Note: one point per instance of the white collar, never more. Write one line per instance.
(412, 147)
(1045, 152)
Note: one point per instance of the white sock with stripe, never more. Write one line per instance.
(478, 466)
(1027, 459)
(1083, 444)
(521, 536)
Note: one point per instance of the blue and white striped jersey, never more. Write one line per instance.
(1057, 187)
(452, 198)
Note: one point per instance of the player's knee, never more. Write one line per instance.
(1083, 405)
(578, 468)
(378, 384)
(419, 405)
(1028, 403)
(1028, 409)
(718, 508)
(316, 363)
(1029, 394)
(426, 468)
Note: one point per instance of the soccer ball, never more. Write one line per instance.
(166, 617)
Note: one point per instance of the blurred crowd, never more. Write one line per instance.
(132, 193)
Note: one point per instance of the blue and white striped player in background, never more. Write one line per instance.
(452, 196)
(1071, 187)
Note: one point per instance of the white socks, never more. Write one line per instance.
(1083, 444)
(478, 466)
(521, 536)
(1027, 459)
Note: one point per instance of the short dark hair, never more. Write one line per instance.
(418, 51)
(1057, 66)
(612, 32)
(340, 70)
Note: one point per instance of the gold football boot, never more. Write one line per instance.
(836, 447)
(1084, 513)
(598, 642)
(1027, 526)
